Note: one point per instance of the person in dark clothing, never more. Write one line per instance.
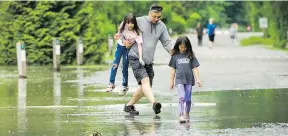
(199, 32)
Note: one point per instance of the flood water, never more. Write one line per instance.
(68, 103)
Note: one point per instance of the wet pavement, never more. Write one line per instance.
(73, 103)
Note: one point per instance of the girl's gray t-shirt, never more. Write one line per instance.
(183, 66)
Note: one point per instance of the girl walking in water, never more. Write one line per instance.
(184, 67)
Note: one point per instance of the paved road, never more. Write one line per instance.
(225, 67)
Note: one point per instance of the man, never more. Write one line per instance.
(153, 30)
(199, 32)
(211, 32)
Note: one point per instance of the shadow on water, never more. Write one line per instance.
(64, 104)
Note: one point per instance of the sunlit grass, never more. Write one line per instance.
(256, 40)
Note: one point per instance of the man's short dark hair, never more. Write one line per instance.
(156, 7)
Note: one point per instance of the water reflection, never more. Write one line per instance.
(22, 118)
(133, 126)
(239, 109)
(57, 88)
(80, 85)
(57, 101)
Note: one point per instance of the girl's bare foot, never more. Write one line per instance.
(182, 119)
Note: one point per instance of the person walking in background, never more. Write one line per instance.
(211, 32)
(248, 28)
(199, 33)
(233, 32)
(184, 67)
(130, 31)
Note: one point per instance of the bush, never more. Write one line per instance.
(280, 44)
(242, 28)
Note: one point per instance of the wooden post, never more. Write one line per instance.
(170, 30)
(79, 50)
(56, 54)
(287, 40)
(110, 44)
(263, 30)
(21, 60)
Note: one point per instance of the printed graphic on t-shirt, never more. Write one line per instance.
(183, 61)
(183, 66)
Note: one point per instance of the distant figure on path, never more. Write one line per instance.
(233, 31)
(211, 32)
(199, 32)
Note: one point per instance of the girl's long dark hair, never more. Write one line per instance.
(183, 40)
(130, 18)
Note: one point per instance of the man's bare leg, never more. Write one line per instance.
(147, 90)
(144, 89)
(136, 96)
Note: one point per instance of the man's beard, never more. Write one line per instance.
(155, 22)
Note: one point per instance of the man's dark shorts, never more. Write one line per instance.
(211, 37)
(139, 71)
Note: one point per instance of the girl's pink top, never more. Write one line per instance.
(130, 35)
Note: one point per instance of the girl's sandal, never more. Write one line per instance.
(110, 88)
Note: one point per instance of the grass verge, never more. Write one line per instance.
(256, 40)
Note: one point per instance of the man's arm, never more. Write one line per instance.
(166, 41)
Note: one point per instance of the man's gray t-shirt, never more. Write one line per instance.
(183, 66)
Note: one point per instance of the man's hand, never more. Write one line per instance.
(141, 61)
(127, 44)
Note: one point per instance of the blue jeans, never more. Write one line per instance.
(120, 51)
